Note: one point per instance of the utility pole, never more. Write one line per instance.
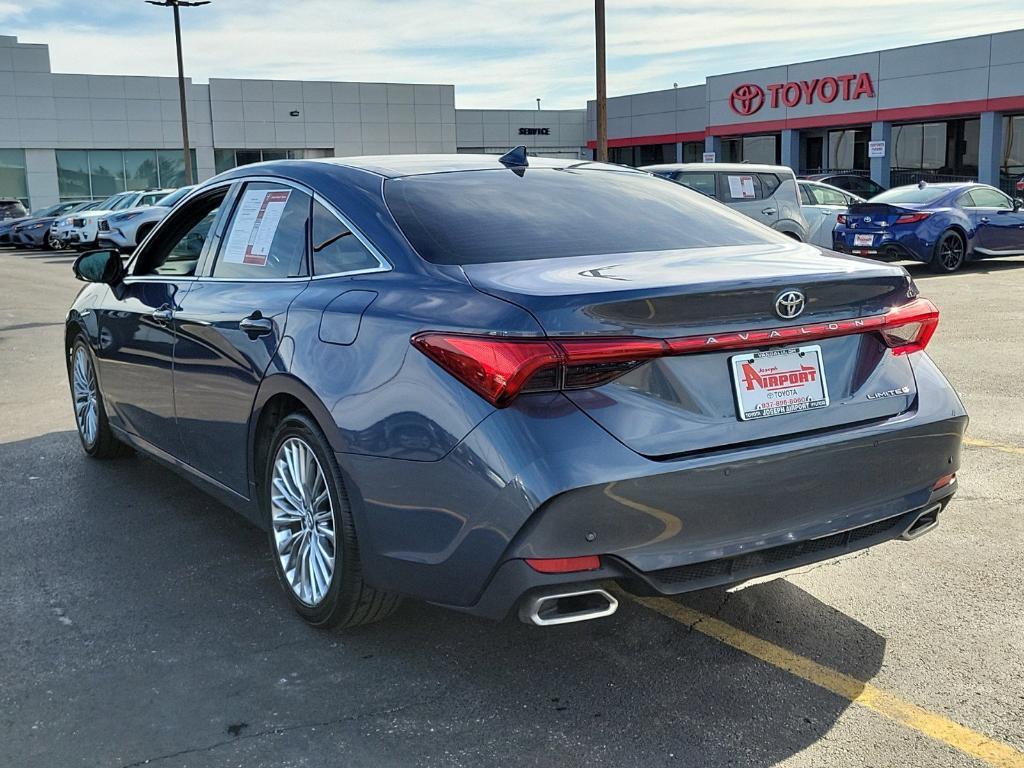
(175, 4)
(602, 85)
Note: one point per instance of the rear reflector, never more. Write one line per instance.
(564, 564)
(498, 369)
(945, 480)
(912, 218)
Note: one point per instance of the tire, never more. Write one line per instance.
(98, 440)
(792, 235)
(141, 232)
(949, 253)
(54, 243)
(300, 457)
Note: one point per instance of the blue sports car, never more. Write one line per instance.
(942, 225)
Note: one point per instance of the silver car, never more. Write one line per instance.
(124, 230)
(822, 204)
(765, 193)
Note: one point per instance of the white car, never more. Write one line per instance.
(84, 233)
(125, 229)
(61, 228)
(765, 193)
(822, 203)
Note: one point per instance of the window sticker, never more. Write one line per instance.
(741, 187)
(254, 226)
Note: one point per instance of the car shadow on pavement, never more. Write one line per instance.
(145, 620)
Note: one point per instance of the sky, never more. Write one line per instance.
(497, 54)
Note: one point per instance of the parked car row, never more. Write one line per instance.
(941, 225)
(120, 221)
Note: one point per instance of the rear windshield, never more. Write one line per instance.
(475, 217)
(913, 194)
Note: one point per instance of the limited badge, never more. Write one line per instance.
(889, 393)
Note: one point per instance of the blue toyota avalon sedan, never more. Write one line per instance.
(502, 385)
(942, 225)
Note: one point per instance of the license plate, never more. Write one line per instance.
(778, 381)
(867, 240)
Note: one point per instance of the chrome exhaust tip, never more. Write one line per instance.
(548, 609)
(925, 522)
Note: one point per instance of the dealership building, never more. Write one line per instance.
(942, 111)
(73, 136)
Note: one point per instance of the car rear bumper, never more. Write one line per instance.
(887, 247)
(548, 482)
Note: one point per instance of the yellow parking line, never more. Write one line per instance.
(990, 751)
(976, 443)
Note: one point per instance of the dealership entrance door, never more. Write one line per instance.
(842, 149)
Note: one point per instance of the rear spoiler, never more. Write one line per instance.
(879, 209)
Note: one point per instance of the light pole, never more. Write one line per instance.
(175, 4)
(602, 85)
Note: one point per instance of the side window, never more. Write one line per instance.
(702, 182)
(805, 195)
(267, 234)
(826, 196)
(769, 183)
(990, 198)
(335, 248)
(734, 187)
(179, 242)
(966, 200)
(149, 199)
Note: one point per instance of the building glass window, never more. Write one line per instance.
(946, 150)
(693, 151)
(226, 159)
(752, 149)
(12, 174)
(140, 169)
(1013, 153)
(848, 149)
(84, 174)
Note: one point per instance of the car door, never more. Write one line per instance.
(232, 322)
(745, 193)
(816, 216)
(821, 218)
(1000, 228)
(137, 332)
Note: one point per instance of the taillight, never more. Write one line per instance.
(910, 327)
(912, 218)
(841, 218)
(498, 369)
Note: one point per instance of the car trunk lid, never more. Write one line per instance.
(684, 403)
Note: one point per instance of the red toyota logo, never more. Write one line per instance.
(746, 99)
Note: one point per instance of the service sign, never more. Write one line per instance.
(876, 149)
(778, 381)
(709, 157)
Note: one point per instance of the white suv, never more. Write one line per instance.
(84, 232)
(765, 193)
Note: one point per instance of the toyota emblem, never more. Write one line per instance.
(746, 99)
(789, 304)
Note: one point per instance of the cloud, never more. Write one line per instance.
(502, 54)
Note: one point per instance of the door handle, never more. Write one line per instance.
(768, 211)
(984, 219)
(256, 325)
(826, 213)
(163, 315)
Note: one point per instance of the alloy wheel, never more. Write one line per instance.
(302, 516)
(83, 378)
(951, 253)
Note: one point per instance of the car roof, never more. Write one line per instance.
(727, 167)
(391, 166)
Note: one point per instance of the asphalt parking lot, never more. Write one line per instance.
(142, 623)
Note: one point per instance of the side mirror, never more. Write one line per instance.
(1017, 203)
(103, 266)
